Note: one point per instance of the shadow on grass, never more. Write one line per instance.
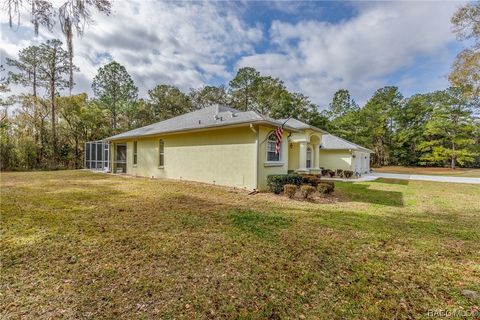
(385, 226)
(367, 193)
(392, 181)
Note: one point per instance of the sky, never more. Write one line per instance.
(316, 48)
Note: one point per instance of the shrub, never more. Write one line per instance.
(348, 174)
(325, 172)
(326, 187)
(330, 183)
(307, 190)
(339, 172)
(322, 188)
(310, 179)
(331, 173)
(289, 190)
(306, 178)
(314, 181)
(276, 182)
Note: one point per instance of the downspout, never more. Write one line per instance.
(113, 168)
(255, 131)
(353, 157)
(110, 156)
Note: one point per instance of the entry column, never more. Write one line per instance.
(316, 156)
(302, 157)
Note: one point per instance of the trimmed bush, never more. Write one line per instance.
(322, 188)
(326, 187)
(325, 172)
(331, 173)
(307, 191)
(314, 181)
(339, 172)
(348, 174)
(310, 179)
(289, 190)
(306, 178)
(275, 182)
(330, 183)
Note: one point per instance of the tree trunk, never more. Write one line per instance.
(114, 110)
(246, 99)
(53, 65)
(70, 57)
(114, 114)
(54, 129)
(42, 137)
(35, 115)
(453, 156)
(77, 153)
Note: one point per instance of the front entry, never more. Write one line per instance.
(121, 158)
(304, 154)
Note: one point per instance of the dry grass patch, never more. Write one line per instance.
(82, 245)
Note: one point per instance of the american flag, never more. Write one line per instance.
(278, 135)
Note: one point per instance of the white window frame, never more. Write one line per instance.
(161, 153)
(135, 153)
(309, 157)
(271, 141)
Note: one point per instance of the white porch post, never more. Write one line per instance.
(302, 156)
(316, 156)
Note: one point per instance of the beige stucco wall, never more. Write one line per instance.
(223, 157)
(293, 156)
(265, 168)
(336, 159)
(231, 157)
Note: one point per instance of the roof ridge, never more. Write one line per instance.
(304, 123)
(209, 117)
(349, 142)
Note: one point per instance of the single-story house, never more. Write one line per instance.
(223, 146)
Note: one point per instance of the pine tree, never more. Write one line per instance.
(115, 90)
(450, 131)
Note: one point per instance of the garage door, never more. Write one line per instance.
(362, 162)
(365, 160)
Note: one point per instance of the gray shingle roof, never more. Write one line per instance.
(214, 116)
(297, 124)
(220, 116)
(331, 142)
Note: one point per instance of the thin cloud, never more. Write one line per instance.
(318, 58)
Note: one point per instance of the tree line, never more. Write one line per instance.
(47, 129)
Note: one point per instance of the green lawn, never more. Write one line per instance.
(459, 172)
(87, 245)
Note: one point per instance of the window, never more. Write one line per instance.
(309, 157)
(271, 143)
(134, 152)
(161, 153)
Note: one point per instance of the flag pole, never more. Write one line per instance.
(271, 131)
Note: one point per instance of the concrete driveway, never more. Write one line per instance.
(425, 177)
